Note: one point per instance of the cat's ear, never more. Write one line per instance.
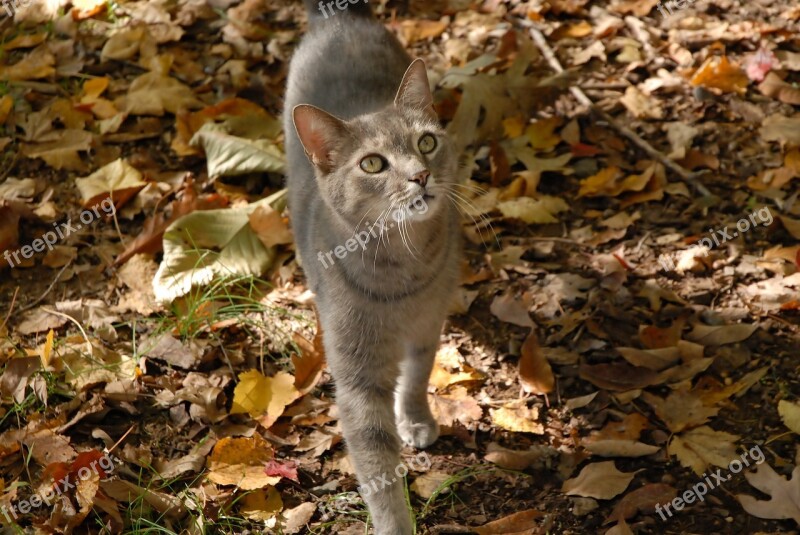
(320, 133)
(415, 90)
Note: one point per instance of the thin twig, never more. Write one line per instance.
(89, 348)
(10, 309)
(47, 291)
(112, 448)
(552, 60)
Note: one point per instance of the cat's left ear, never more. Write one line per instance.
(415, 90)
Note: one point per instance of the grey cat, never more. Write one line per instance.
(375, 154)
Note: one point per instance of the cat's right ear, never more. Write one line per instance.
(320, 133)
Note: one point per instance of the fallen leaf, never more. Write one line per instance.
(264, 398)
(517, 419)
(784, 494)
(429, 483)
(620, 448)
(240, 462)
(118, 180)
(521, 523)
(536, 456)
(617, 376)
(720, 73)
(262, 505)
(790, 414)
(703, 446)
(777, 127)
(203, 245)
(598, 480)
(541, 210)
(643, 499)
(297, 518)
(716, 335)
(681, 409)
(153, 93)
(774, 87)
(535, 373)
(511, 310)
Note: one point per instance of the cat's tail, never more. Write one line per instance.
(319, 10)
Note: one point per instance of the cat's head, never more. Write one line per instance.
(394, 163)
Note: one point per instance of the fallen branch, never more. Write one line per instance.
(666, 161)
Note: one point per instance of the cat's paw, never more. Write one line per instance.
(419, 434)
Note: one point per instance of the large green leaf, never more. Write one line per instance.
(214, 243)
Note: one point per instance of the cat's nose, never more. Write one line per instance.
(421, 178)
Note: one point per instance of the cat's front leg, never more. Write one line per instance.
(365, 386)
(415, 423)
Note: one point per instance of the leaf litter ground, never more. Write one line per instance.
(617, 335)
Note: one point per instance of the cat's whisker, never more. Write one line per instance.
(463, 204)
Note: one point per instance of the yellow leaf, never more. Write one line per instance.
(260, 505)
(118, 180)
(48, 349)
(790, 414)
(518, 420)
(719, 73)
(513, 126)
(240, 462)
(448, 358)
(538, 211)
(263, 398)
(541, 136)
(6, 104)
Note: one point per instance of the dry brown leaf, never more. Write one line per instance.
(309, 364)
(774, 87)
(784, 494)
(412, 31)
(780, 128)
(717, 335)
(703, 446)
(517, 419)
(511, 310)
(601, 481)
(538, 456)
(522, 523)
(643, 499)
(653, 359)
(535, 373)
(629, 428)
(680, 410)
(428, 483)
(620, 448)
(455, 406)
(617, 376)
(270, 226)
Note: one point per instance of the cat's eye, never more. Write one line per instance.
(427, 144)
(373, 164)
